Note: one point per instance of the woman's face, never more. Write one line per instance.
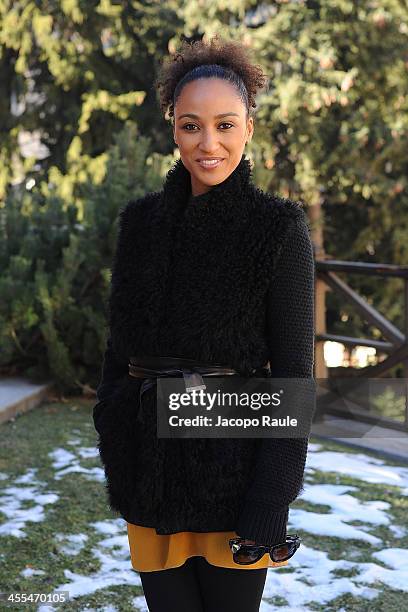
(210, 122)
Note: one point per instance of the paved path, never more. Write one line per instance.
(18, 395)
(391, 443)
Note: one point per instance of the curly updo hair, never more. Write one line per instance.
(228, 60)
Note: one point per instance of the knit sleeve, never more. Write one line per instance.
(111, 373)
(113, 368)
(280, 463)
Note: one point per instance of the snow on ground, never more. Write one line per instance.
(324, 585)
(66, 462)
(112, 552)
(29, 571)
(343, 508)
(70, 544)
(357, 465)
(23, 501)
(314, 577)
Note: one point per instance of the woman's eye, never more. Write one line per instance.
(187, 125)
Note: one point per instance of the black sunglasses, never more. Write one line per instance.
(245, 554)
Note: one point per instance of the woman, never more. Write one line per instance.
(210, 269)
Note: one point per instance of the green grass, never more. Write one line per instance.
(25, 443)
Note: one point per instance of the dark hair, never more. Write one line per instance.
(226, 60)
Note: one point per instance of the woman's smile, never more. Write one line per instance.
(210, 164)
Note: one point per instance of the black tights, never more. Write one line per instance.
(198, 586)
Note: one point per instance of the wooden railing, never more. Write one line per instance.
(395, 344)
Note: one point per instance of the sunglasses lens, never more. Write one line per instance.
(248, 554)
(284, 552)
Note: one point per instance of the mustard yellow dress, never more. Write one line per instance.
(151, 552)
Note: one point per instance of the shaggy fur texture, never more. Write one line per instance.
(226, 278)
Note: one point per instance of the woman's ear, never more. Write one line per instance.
(250, 129)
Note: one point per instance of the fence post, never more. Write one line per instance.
(405, 363)
(316, 224)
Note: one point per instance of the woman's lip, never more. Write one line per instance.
(208, 166)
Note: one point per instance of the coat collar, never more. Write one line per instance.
(226, 197)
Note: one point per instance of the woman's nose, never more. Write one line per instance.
(209, 142)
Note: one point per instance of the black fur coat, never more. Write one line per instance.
(223, 277)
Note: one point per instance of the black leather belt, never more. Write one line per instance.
(150, 368)
(191, 370)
